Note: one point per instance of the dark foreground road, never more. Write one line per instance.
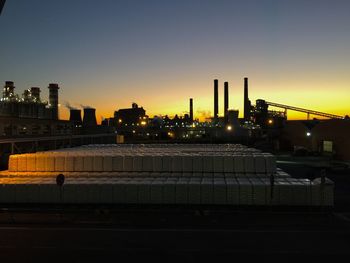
(173, 237)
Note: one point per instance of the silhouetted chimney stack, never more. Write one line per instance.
(226, 101)
(89, 119)
(75, 116)
(216, 100)
(191, 109)
(53, 99)
(247, 105)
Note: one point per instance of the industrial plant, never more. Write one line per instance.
(30, 115)
(167, 165)
(264, 124)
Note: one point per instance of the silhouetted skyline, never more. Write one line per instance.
(160, 53)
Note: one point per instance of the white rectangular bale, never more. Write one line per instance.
(238, 164)
(107, 163)
(128, 163)
(182, 191)
(169, 188)
(249, 165)
(187, 163)
(197, 163)
(228, 164)
(59, 163)
(118, 163)
(31, 163)
(207, 191)
(166, 163)
(78, 163)
(177, 165)
(270, 163)
(260, 164)
(13, 163)
(68, 163)
(219, 192)
(208, 166)
(22, 163)
(218, 164)
(194, 191)
(259, 191)
(98, 163)
(245, 191)
(157, 163)
(147, 163)
(232, 188)
(137, 163)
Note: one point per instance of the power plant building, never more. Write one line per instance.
(30, 104)
(28, 114)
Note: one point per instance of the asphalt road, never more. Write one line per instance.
(174, 237)
(30, 244)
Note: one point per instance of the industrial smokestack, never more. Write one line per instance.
(89, 119)
(75, 116)
(226, 101)
(216, 100)
(35, 93)
(53, 99)
(246, 101)
(191, 109)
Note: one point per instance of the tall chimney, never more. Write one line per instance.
(226, 101)
(191, 109)
(216, 100)
(89, 119)
(75, 116)
(53, 99)
(246, 101)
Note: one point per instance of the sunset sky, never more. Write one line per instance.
(159, 53)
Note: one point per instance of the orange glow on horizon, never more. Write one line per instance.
(175, 98)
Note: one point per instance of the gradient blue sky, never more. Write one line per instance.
(158, 53)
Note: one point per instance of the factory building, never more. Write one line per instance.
(28, 115)
(29, 105)
(329, 137)
(134, 116)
